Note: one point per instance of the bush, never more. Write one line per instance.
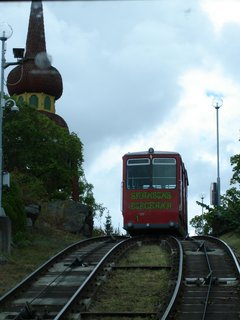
(14, 208)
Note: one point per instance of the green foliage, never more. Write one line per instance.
(226, 218)
(203, 223)
(21, 239)
(86, 197)
(14, 208)
(31, 189)
(235, 162)
(230, 209)
(34, 145)
(44, 159)
(108, 225)
(97, 232)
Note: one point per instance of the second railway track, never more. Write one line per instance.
(210, 282)
(203, 282)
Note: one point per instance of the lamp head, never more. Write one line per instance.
(12, 104)
(5, 31)
(15, 108)
(217, 102)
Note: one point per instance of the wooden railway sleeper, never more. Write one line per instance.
(215, 281)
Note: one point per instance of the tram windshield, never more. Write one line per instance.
(158, 173)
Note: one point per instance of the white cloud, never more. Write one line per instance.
(140, 74)
(222, 12)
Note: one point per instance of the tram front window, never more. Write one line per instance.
(164, 173)
(157, 173)
(138, 173)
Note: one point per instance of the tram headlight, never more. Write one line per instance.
(171, 224)
(151, 150)
(130, 225)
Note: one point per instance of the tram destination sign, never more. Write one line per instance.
(164, 200)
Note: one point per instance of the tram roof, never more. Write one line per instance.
(142, 153)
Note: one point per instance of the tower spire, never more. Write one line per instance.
(29, 82)
(36, 35)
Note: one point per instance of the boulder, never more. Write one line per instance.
(32, 212)
(72, 215)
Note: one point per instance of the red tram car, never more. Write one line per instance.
(154, 193)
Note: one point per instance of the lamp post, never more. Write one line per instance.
(202, 198)
(217, 103)
(5, 223)
(5, 33)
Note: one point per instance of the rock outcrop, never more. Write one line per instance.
(71, 216)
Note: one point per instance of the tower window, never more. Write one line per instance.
(47, 103)
(33, 101)
(20, 100)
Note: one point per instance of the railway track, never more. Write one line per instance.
(210, 282)
(67, 285)
(48, 290)
(140, 309)
(203, 282)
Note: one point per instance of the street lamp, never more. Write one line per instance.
(202, 198)
(217, 103)
(5, 33)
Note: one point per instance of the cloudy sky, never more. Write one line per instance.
(140, 74)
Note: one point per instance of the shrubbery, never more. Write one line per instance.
(226, 217)
(14, 207)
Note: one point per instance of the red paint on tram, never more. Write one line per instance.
(154, 192)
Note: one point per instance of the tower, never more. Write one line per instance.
(36, 85)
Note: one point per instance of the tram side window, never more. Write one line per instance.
(138, 173)
(164, 173)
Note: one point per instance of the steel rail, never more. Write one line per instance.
(208, 281)
(62, 313)
(229, 249)
(209, 276)
(49, 262)
(69, 268)
(178, 282)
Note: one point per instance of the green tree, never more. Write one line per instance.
(86, 196)
(31, 189)
(230, 210)
(227, 217)
(108, 225)
(44, 160)
(203, 223)
(235, 162)
(14, 207)
(35, 146)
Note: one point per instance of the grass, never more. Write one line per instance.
(128, 290)
(140, 290)
(41, 244)
(233, 240)
(151, 255)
